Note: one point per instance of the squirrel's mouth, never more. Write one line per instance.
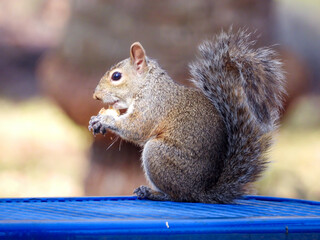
(118, 106)
(113, 111)
(112, 104)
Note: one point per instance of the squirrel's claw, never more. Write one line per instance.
(95, 126)
(142, 192)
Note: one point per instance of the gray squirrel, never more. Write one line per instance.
(205, 144)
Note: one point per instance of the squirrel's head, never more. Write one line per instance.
(123, 81)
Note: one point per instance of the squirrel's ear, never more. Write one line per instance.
(138, 57)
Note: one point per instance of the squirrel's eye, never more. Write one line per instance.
(116, 76)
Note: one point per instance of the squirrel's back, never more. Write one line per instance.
(245, 86)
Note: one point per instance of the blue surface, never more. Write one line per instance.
(120, 217)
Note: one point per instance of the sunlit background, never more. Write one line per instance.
(53, 52)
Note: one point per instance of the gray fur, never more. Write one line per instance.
(245, 86)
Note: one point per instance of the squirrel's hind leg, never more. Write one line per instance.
(167, 168)
(144, 192)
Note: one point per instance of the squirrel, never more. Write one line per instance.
(206, 143)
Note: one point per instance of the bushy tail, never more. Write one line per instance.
(245, 86)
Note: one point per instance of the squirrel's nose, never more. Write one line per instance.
(97, 96)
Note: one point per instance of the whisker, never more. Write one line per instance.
(116, 139)
(120, 144)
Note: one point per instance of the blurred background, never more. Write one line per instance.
(53, 53)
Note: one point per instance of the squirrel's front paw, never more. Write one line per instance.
(96, 126)
(142, 192)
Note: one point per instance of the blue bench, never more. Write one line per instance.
(252, 217)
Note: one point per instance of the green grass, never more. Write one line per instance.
(295, 158)
(42, 153)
